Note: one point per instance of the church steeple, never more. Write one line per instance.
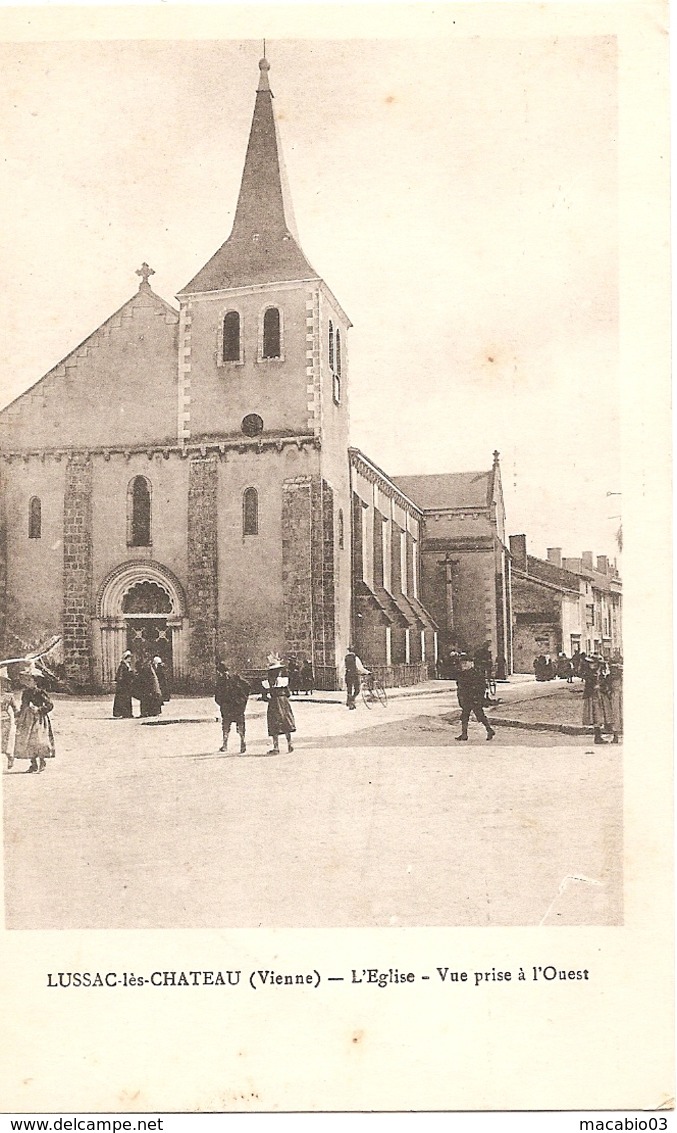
(263, 246)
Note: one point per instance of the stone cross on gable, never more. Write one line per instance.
(144, 271)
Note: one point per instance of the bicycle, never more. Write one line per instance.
(373, 691)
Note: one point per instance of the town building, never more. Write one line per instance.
(563, 605)
(182, 483)
(602, 590)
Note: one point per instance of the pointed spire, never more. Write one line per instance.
(263, 245)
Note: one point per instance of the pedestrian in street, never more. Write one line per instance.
(280, 716)
(148, 689)
(231, 694)
(294, 673)
(615, 690)
(34, 736)
(354, 670)
(7, 719)
(470, 689)
(484, 661)
(124, 678)
(162, 677)
(595, 701)
(307, 677)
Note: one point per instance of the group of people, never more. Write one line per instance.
(232, 692)
(602, 696)
(146, 680)
(26, 728)
(301, 676)
(25, 724)
(547, 668)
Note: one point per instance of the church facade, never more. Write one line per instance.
(181, 483)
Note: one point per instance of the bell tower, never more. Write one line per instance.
(263, 381)
(261, 334)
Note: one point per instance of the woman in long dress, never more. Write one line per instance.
(280, 716)
(615, 687)
(122, 703)
(160, 670)
(34, 735)
(7, 724)
(149, 690)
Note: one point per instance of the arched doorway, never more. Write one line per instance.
(141, 607)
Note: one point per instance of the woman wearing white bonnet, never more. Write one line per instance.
(280, 716)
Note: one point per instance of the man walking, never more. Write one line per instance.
(231, 695)
(470, 688)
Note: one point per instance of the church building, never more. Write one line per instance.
(182, 483)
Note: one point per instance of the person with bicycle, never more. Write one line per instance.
(484, 664)
(354, 670)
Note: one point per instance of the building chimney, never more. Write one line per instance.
(573, 565)
(518, 550)
(555, 556)
(587, 560)
(602, 564)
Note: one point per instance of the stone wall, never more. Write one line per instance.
(77, 570)
(324, 606)
(202, 570)
(297, 564)
(308, 574)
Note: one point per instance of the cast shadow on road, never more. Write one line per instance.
(221, 755)
(441, 731)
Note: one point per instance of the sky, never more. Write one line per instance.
(459, 197)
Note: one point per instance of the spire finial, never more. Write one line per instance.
(496, 456)
(144, 271)
(264, 67)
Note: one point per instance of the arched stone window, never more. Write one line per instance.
(250, 512)
(139, 512)
(338, 352)
(232, 349)
(35, 518)
(272, 336)
(331, 346)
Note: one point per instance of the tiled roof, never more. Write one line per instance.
(448, 490)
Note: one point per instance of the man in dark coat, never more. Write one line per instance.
(470, 688)
(231, 695)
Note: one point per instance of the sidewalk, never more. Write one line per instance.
(559, 708)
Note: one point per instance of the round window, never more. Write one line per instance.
(252, 425)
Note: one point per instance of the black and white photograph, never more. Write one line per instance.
(314, 479)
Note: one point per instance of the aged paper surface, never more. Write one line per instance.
(600, 1042)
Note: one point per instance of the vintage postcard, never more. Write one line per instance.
(335, 634)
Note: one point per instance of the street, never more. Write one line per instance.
(376, 818)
